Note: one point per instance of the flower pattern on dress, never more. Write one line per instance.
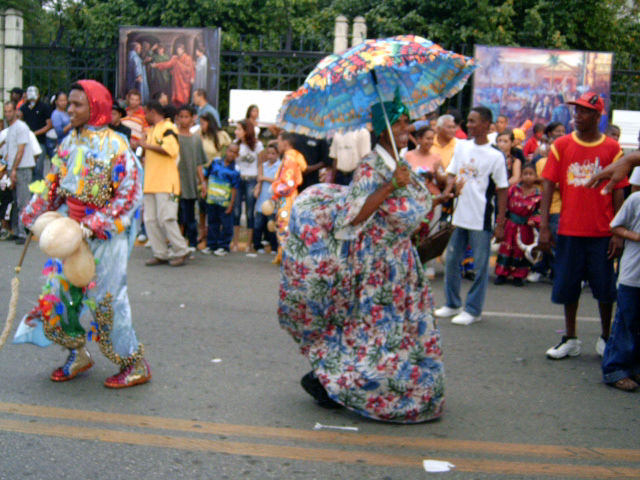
(356, 299)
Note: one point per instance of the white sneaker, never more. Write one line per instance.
(445, 312)
(142, 238)
(534, 277)
(465, 318)
(568, 347)
(206, 251)
(430, 272)
(261, 250)
(601, 343)
(220, 252)
(191, 249)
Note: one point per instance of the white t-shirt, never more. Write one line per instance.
(18, 134)
(247, 161)
(483, 169)
(349, 148)
(634, 179)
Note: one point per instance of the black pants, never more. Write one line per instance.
(187, 218)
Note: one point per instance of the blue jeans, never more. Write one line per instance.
(260, 229)
(622, 355)
(245, 192)
(480, 242)
(220, 229)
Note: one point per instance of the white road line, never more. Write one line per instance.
(536, 315)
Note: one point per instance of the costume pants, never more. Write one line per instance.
(109, 292)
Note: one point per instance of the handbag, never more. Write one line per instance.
(434, 244)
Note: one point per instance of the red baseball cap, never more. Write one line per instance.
(590, 100)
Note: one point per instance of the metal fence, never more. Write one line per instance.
(252, 65)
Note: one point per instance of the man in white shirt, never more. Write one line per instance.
(20, 164)
(347, 149)
(482, 169)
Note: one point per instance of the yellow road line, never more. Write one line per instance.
(312, 454)
(339, 438)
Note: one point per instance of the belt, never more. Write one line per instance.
(248, 177)
(519, 219)
(78, 210)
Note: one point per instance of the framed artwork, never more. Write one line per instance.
(529, 85)
(173, 61)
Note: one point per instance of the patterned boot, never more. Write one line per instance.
(77, 362)
(135, 374)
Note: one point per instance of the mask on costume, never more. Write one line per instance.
(100, 102)
(32, 93)
(394, 109)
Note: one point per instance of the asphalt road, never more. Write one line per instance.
(225, 402)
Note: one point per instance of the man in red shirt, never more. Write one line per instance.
(585, 246)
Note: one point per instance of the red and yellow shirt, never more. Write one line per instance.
(585, 212)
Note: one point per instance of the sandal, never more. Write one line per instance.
(625, 384)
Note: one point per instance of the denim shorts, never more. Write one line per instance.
(578, 259)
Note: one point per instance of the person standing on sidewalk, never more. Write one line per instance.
(20, 165)
(482, 169)
(585, 248)
(162, 188)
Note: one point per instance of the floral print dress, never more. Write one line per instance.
(357, 301)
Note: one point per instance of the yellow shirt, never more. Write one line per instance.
(210, 150)
(161, 171)
(556, 201)
(445, 151)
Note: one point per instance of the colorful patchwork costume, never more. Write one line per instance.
(285, 191)
(96, 180)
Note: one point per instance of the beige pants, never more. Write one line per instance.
(161, 222)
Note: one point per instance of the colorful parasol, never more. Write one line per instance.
(338, 94)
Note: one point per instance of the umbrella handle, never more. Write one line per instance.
(374, 77)
(386, 120)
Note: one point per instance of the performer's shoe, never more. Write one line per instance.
(313, 387)
(77, 362)
(135, 374)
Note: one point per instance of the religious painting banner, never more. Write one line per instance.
(530, 85)
(171, 61)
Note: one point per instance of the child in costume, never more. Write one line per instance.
(95, 180)
(285, 187)
(523, 202)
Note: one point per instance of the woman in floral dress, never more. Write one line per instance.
(353, 293)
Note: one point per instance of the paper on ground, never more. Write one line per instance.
(319, 426)
(436, 466)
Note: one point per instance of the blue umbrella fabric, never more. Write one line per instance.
(338, 94)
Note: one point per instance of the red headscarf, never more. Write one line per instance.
(100, 102)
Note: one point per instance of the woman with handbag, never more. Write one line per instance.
(353, 293)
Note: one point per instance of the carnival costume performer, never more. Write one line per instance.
(353, 292)
(97, 181)
(285, 186)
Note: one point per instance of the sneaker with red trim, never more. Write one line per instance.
(135, 374)
(77, 362)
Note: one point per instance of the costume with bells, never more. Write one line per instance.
(285, 191)
(83, 213)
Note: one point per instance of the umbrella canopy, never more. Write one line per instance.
(338, 94)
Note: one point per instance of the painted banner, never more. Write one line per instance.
(529, 85)
(170, 61)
